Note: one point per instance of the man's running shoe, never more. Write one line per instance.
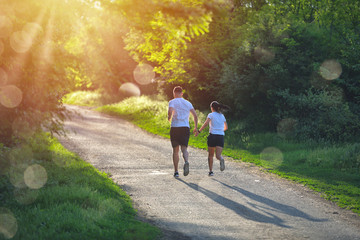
(211, 173)
(222, 164)
(186, 168)
(176, 174)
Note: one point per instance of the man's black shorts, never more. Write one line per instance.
(214, 140)
(179, 136)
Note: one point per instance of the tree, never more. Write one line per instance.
(159, 34)
(33, 64)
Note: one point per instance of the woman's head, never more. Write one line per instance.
(218, 107)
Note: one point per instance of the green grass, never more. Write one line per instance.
(90, 98)
(331, 170)
(77, 201)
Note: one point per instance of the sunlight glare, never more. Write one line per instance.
(35, 176)
(8, 223)
(42, 57)
(330, 69)
(97, 5)
(144, 74)
(130, 90)
(5, 27)
(10, 96)
(32, 29)
(2, 47)
(21, 41)
(3, 77)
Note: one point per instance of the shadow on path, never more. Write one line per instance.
(238, 208)
(272, 205)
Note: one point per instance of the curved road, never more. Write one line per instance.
(240, 203)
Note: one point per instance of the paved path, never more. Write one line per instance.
(240, 203)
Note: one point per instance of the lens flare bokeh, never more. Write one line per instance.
(272, 155)
(10, 96)
(35, 176)
(144, 74)
(330, 69)
(130, 90)
(8, 223)
(263, 55)
(286, 127)
(21, 41)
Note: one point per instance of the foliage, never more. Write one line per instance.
(48, 49)
(274, 47)
(322, 116)
(77, 200)
(90, 98)
(240, 52)
(159, 33)
(31, 62)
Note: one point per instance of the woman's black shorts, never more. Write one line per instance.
(214, 140)
(179, 136)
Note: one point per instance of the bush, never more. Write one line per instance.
(349, 159)
(320, 115)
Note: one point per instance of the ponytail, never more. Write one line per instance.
(218, 107)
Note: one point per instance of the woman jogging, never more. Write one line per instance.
(215, 141)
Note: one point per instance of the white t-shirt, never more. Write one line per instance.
(181, 114)
(216, 124)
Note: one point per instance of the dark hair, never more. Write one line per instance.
(218, 107)
(178, 89)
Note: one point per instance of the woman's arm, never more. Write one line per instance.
(205, 124)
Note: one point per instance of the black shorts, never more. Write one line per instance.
(179, 136)
(214, 140)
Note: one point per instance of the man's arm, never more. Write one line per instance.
(193, 112)
(170, 113)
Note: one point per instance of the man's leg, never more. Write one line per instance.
(176, 158)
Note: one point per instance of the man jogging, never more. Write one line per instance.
(178, 114)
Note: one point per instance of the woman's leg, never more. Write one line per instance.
(185, 153)
(211, 151)
(218, 152)
(220, 158)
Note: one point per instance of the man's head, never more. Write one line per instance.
(178, 91)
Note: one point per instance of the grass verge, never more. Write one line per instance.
(331, 170)
(47, 192)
